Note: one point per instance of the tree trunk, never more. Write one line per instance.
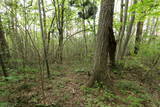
(147, 27)
(43, 38)
(129, 31)
(105, 28)
(112, 48)
(4, 51)
(60, 47)
(60, 9)
(25, 44)
(138, 36)
(153, 29)
(84, 30)
(123, 30)
(4, 69)
(121, 16)
(94, 21)
(85, 39)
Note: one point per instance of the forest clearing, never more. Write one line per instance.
(79, 53)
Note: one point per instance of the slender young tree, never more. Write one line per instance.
(84, 29)
(43, 33)
(153, 29)
(122, 32)
(129, 31)
(121, 16)
(59, 12)
(105, 31)
(46, 49)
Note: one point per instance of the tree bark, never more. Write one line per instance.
(112, 48)
(153, 29)
(4, 69)
(45, 38)
(43, 33)
(105, 28)
(138, 36)
(4, 51)
(121, 16)
(60, 9)
(119, 51)
(129, 31)
(84, 31)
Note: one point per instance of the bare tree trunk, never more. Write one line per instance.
(24, 52)
(85, 39)
(44, 39)
(147, 29)
(155, 26)
(138, 36)
(105, 28)
(94, 21)
(123, 30)
(4, 51)
(112, 48)
(4, 69)
(129, 31)
(42, 34)
(153, 29)
(121, 16)
(60, 46)
(84, 32)
(59, 9)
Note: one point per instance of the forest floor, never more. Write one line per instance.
(131, 87)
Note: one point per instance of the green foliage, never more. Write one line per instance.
(129, 86)
(56, 73)
(14, 78)
(146, 58)
(88, 90)
(80, 70)
(4, 104)
(102, 98)
(60, 84)
(149, 52)
(109, 96)
(129, 93)
(146, 8)
(27, 69)
(134, 101)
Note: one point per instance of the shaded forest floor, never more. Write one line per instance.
(131, 87)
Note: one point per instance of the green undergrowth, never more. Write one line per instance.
(126, 94)
(135, 85)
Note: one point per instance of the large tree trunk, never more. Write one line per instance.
(105, 31)
(138, 36)
(4, 51)
(129, 31)
(112, 48)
